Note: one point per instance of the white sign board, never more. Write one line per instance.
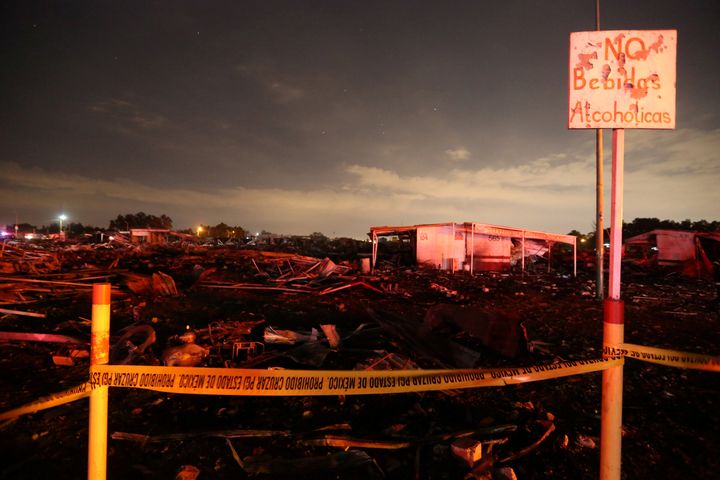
(622, 79)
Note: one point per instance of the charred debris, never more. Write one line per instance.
(311, 306)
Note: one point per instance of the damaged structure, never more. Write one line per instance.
(472, 246)
(158, 236)
(149, 235)
(692, 253)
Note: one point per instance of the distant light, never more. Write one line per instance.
(111, 238)
(655, 249)
(582, 240)
(62, 217)
(29, 236)
(607, 245)
(4, 233)
(257, 234)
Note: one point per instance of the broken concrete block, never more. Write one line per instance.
(467, 449)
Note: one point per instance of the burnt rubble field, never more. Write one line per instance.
(228, 307)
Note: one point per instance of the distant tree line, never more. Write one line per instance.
(221, 230)
(140, 220)
(643, 225)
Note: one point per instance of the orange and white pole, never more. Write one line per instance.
(99, 355)
(613, 326)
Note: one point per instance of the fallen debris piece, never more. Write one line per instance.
(524, 406)
(47, 282)
(188, 355)
(423, 342)
(63, 361)
(138, 284)
(325, 268)
(188, 472)
(499, 331)
(251, 286)
(332, 335)
(22, 313)
(349, 442)
(234, 453)
(15, 259)
(530, 448)
(538, 346)
(444, 290)
(310, 353)
(163, 284)
(69, 360)
(389, 361)
(504, 473)
(482, 470)
(288, 337)
(335, 462)
(242, 351)
(125, 347)
(38, 337)
(585, 442)
(140, 438)
(349, 285)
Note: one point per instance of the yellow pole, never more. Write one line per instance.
(99, 355)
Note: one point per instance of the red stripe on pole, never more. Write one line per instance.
(614, 311)
(101, 294)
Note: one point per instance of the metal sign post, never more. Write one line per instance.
(618, 79)
(599, 200)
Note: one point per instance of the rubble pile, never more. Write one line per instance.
(201, 306)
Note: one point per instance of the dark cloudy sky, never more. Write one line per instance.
(332, 116)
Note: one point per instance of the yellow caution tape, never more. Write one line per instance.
(254, 382)
(66, 396)
(672, 358)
